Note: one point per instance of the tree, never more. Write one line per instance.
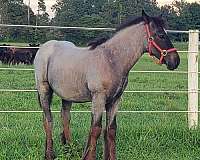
(43, 16)
(15, 12)
(182, 16)
(190, 16)
(42, 19)
(95, 13)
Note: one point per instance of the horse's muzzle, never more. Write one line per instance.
(172, 61)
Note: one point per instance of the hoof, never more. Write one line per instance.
(50, 156)
(89, 156)
(110, 158)
(63, 139)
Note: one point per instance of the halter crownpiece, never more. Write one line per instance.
(152, 43)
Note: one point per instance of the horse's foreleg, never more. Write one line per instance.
(65, 114)
(45, 96)
(110, 131)
(98, 105)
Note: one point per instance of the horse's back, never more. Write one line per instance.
(47, 50)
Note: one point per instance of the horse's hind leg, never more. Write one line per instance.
(45, 97)
(65, 115)
(110, 131)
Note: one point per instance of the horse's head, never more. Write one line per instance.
(159, 44)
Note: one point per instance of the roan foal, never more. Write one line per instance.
(98, 74)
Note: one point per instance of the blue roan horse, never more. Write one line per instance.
(98, 74)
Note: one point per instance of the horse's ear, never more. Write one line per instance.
(145, 16)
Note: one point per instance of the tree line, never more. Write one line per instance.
(179, 15)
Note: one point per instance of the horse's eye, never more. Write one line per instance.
(162, 36)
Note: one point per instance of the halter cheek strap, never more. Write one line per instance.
(151, 43)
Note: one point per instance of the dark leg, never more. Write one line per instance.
(45, 97)
(98, 105)
(65, 114)
(110, 131)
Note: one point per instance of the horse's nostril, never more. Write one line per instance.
(172, 65)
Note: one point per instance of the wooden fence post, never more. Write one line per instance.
(193, 50)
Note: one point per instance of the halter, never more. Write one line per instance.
(152, 43)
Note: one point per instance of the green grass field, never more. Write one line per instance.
(140, 136)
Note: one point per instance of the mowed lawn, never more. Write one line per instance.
(140, 136)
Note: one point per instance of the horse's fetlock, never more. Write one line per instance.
(50, 156)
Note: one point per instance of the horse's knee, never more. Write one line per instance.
(95, 132)
(111, 133)
(44, 93)
(50, 155)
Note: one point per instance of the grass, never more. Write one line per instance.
(141, 136)
(14, 44)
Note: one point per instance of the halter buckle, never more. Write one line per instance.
(164, 53)
(151, 39)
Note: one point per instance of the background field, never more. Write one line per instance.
(140, 136)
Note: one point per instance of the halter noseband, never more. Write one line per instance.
(152, 43)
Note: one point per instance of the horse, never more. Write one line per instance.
(2, 50)
(11, 55)
(5, 54)
(97, 74)
(23, 55)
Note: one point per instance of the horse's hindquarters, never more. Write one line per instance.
(62, 65)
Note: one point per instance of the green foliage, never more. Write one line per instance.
(93, 13)
(182, 16)
(15, 12)
(42, 20)
(191, 15)
(179, 15)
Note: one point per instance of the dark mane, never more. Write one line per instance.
(131, 21)
(159, 21)
(97, 41)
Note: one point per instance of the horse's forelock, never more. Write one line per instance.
(159, 21)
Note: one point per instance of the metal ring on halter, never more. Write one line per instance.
(151, 38)
(164, 52)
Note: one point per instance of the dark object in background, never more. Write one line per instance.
(15, 56)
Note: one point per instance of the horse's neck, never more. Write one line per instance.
(127, 46)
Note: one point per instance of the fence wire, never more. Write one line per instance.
(103, 29)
